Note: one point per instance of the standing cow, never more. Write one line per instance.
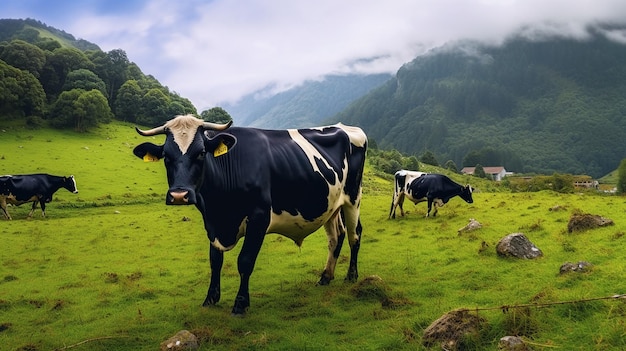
(434, 188)
(35, 188)
(250, 182)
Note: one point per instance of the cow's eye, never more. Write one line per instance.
(201, 155)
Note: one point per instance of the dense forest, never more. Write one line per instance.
(49, 77)
(554, 105)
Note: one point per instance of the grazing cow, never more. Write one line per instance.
(250, 182)
(35, 188)
(402, 178)
(434, 188)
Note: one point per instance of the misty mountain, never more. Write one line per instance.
(304, 106)
(544, 106)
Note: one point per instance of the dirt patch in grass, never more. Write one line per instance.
(373, 287)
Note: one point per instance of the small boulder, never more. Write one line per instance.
(182, 341)
(472, 225)
(517, 245)
(580, 267)
(512, 343)
(583, 221)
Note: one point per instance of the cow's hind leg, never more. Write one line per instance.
(353, 232)
(216, 259)
(353, 272)
(335, 233)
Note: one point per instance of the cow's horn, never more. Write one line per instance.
(153, 131)
(215, 126)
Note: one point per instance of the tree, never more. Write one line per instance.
(621, 177)
(451, 166)
(155, 108)
(84, 79)
(411, 163)
(59, 64)
(92, 108)
(479, 171)
(128, 101)
(21, 94)
(215, 115)
(80, 109)
(429, 158)
(23, 55)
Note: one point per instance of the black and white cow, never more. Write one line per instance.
(35, 188)
(402, 178)
(434, 188)
(250, 182)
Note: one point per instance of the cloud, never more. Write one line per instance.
(217, 51)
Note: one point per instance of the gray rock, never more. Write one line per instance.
(517, 245)
(512, 343)
(182, 341)
(581, 266)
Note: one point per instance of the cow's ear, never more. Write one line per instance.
(220, 144)
(149, 152)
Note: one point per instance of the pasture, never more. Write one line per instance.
(113, 268)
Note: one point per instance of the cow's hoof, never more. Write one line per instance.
(324, 279)
(241, 307)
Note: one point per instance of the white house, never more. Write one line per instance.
(497, 173)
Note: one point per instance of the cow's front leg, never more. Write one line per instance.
(430, 206)
(32, 209)
(255, 233)
(216, 259)
(3, 205)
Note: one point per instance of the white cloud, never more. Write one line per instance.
(219, 50)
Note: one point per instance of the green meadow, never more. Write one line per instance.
(113, 268)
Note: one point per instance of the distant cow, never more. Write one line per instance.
(434, 188)
(35, 188)
(401, 179)
(248, 182)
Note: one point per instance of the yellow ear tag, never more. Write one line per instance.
(220, 149)
(148, 157)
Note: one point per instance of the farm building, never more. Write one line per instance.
(496, 173)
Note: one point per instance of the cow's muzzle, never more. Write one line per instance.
(179, 198)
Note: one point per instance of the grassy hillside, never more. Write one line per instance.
(113, 268)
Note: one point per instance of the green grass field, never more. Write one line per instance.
(113, 268)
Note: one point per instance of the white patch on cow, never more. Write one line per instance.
(184, 128)
(75, 187)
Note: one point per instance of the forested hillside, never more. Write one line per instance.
(47, 77)
(306, 105)
(554, 105)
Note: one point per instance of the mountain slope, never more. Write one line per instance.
(306, 105)
(556, 105)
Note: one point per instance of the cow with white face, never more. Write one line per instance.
(248, 182)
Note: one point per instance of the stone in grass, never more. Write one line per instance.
(182, 341)
(452, 329)
(512, 343)
(517, 245)
(579, 222)
(580, 267)
(472, 225)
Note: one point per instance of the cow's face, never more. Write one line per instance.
(183, 153)
(466, 194)
(182, 165)
(69, 183)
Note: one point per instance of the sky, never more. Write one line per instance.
(217, 51)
